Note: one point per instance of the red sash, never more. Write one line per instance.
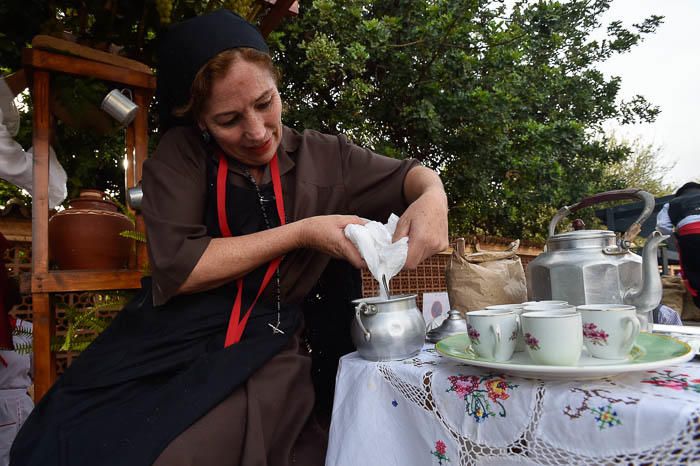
(236, 324)
(692, 228)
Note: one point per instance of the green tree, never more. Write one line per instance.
(506, 104)
(642, 169)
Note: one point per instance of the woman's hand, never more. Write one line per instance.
(325, 233)
(425, 220)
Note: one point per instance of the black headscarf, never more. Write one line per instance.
(189, 45)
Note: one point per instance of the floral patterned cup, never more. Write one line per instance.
(609, 330)
(517, 309)
(493, 333)
(552, 337)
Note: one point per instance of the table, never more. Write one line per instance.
(432, 410)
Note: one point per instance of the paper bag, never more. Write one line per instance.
(480, 279)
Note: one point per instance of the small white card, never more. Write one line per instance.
(435, 305)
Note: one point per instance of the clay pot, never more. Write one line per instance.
(86, 234)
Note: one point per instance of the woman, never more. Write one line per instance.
(197, 369)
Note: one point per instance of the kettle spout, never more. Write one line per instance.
(648, 296)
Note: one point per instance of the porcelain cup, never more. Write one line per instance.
(548, 301)
(553, 338)
(493, 333)
(555, 307)
(498, 307)
(609, 330)
(517, 309)
(560, 308)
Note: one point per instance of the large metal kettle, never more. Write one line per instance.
(595, 267)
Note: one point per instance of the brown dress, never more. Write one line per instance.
(267, 420)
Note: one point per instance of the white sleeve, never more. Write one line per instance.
(57, 179)
(10, 115)
(663, 221)
(15, 163)
(16, 167)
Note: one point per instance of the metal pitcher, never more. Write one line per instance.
(594, 267)
(388, 329)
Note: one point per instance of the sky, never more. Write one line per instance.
(665, 69)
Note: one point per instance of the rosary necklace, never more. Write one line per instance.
(276, 330)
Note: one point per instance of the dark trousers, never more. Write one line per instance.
(688, 237)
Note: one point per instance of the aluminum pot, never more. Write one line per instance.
(388, 329)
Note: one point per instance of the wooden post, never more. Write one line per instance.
(129, 172)
(129, 181)
(275, 16)
(142, 98)
(44, 321)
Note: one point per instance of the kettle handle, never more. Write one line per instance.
(634, 193)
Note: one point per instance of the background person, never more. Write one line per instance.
(681, 216)
(15, 362)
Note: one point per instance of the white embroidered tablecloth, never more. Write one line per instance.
(432, 410)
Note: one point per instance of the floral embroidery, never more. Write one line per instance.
(667, 379)
(463, 384)
(532, 342)
(440, 451)
(606, 416)
(479, 399)
(473, 334)
(497, 389)
(595, 335)
(513, 336)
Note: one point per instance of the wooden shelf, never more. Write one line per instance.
(45, 60)
(69, 281)
(39, 66)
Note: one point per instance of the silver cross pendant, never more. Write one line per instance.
(275, 329)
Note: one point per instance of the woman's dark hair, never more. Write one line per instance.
(215, 69)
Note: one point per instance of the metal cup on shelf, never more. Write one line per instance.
(134, 197)
(120, 106)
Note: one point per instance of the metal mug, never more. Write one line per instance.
(120, 106)
(134, 197)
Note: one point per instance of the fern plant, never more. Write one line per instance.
(133, 233)
(83, 325)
